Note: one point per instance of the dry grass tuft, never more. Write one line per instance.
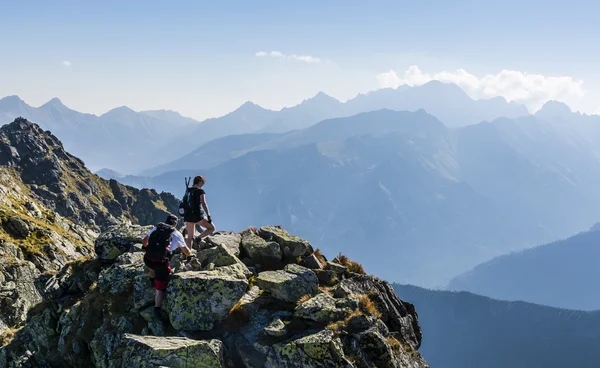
(304, 299)
(366, 305)
(325, 290)
(395, 344)
(351, 265)
(8, 336)
(320, 257)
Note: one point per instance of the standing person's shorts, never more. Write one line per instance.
(193, 217)
(162, 270)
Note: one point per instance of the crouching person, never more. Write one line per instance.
(160, 242)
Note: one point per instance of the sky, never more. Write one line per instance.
(205, 59)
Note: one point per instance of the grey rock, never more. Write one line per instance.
(119, 239)
(324, 308)
(200, 299)
(291, 245)
(229, 240)
(260, 251)
(17, 227)
(276, 328)
(175, 352)
(312, 262)
(336, 267)
(290, 284)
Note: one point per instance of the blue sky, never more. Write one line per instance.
(200, 58)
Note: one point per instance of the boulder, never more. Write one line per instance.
(119, 239)
(324, 308)
(276, 328)
(229, 240)
(33, 209)
(289, 284)
(337, 268)
(312, 262)
(220, 256)
(17, 227)
(260, 251)
(321, 349)
(18, 293)
(174, 352)
(291, 245)
(198, 300)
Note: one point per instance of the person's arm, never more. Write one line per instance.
(185, 250)
(180, 242)
(205, 206)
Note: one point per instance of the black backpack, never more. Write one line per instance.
(159, 242)
(186, 206)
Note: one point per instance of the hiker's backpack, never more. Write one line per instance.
(159, 242)
(185, 207)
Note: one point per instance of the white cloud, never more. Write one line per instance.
(278, 54)
(305, 58)
(66, 63)
(532, 90)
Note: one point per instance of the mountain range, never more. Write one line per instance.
(464, 330)
(437, 200)
(134, 142)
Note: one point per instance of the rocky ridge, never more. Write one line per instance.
(51, 211)
(259, 298)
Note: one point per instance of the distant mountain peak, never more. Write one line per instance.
(249, 106)
(121, 110)
(553, 109)
(321, 97)
(12, 101)
(54, 103)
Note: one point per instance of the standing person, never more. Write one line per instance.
(160, 242)
(196, 215)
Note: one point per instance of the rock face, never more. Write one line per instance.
(99, 312)
(49, 175)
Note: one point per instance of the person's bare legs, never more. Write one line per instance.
(208, 228)
(190, 229)
(158, 299)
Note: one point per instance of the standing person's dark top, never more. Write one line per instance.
(199, 214)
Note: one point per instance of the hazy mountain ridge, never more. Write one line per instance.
(120, 139)
(500, 333)
(132, 142)
(562, 274)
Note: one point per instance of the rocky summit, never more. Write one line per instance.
(224, 307)
(74, 290)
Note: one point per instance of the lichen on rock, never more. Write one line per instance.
(289, 284)
(175, 352)
(198, 300)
